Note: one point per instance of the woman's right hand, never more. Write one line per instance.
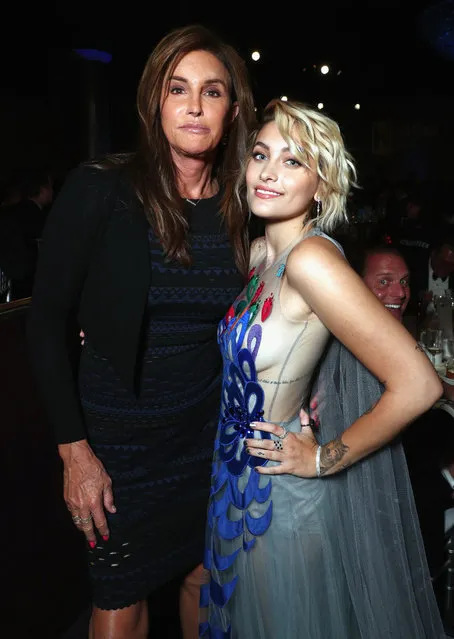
(87, 489)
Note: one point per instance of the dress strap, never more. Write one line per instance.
(317, 231)
(282, 259)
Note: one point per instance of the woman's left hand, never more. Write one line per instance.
(296, 452)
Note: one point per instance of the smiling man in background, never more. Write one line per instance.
(386, 273)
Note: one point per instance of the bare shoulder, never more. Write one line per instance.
(258, 249)
(313, 254)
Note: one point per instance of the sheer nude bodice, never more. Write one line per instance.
(285, 351)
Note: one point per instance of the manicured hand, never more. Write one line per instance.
(295, 452)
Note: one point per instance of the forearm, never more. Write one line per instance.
(55, 374)
(374, 429)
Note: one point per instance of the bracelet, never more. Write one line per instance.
(317, 461)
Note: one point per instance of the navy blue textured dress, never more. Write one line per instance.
(157, 446)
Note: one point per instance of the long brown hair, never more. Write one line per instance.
(152, 170)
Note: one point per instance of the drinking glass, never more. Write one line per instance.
(432, 340)
(448, 348)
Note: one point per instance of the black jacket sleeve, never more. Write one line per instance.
(68, 240)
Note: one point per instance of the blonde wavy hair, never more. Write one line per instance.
(316, 141)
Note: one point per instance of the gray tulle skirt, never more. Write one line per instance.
(334, 558)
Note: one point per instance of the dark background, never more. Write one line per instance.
(395, 58)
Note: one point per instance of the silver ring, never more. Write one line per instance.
(284, 434)
(278, 445)
(77, 519)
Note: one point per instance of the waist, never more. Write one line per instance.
(105, 397)
(184, 333)
(169, 370)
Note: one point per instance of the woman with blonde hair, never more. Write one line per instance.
(310, 535)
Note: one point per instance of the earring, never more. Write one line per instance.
(318, 207)
(225, 139)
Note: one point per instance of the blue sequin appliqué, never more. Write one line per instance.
(235, 489)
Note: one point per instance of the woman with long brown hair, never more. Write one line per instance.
(151, 249)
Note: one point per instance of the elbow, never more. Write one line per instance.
(433, 391)
(41, 330)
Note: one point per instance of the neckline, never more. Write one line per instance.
(194, 204)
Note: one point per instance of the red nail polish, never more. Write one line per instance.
(92, 544)
(105, 537)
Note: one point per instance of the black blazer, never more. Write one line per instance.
(94, 260)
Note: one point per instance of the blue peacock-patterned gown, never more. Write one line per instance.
(268, 364)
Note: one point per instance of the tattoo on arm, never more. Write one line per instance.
(331, 454)
(334, 451)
